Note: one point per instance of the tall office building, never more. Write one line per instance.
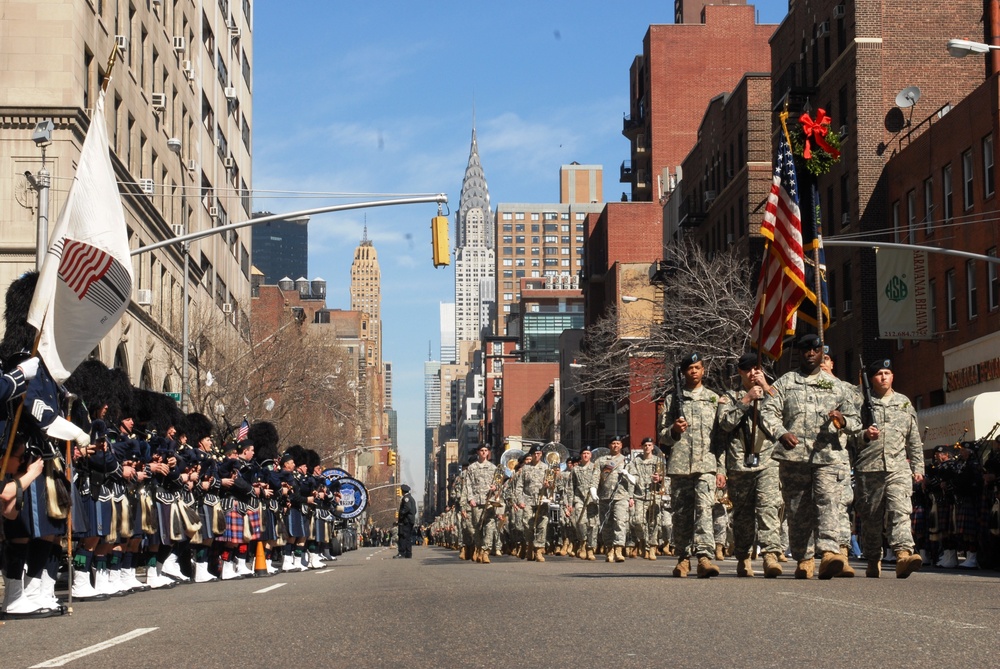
(432, 403)
(179, 115)
(281, 248)
(366, 293)
(474, 255)
(447, 311)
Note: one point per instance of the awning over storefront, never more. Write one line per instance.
(947, 423)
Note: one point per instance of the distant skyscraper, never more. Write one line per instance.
(474, 254)
(432, 404)
(447, 331)
(366, 292)
(387, 394)
(281, 249)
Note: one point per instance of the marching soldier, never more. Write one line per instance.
(476, 491)
(752, 482)
(529, 496)
(890, 459)
(585, 508)
(686, 432)
(648, 470)
(811, 414)
(614, 492)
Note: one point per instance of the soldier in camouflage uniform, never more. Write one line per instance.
(686, 433)
(811, 414)
(585, 507)
(515, 515)
(530, 497)
(466, 530)
(613, 495)
(567, 521)
(665, 522)
(476, 493)
(890, 459)
(648, 469)
(754, 489)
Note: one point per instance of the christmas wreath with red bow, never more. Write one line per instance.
(815, 142)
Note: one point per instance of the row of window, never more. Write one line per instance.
(535, 250)
(921, 213)
(548, 216)
(973, 276)
(549, 227)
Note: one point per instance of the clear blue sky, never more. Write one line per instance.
(379, 98)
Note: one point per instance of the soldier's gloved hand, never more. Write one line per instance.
(29, 368)
(628, 475)
(593, 494)
(62, 429)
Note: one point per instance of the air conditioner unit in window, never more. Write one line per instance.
(839, 12)
(234, 31)
(157, 3)
(227, 307)
(230, 92)
(192, 165)
(229, 162)
(179, 43)
(848, 305)
(158, 101)
(121, 41)
(213, 212)
(845, 219)
(709, 197)
(144, 297)
(823, 29)
(178, 229)
(146, 185)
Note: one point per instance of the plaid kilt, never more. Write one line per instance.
(234, 527)
(965, 515)
(268, 528)
(918, 522)
(252, 525)
(939, 525)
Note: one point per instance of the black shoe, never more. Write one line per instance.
(397, 556)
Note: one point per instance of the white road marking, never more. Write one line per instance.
(879, 609)
(269, 588)
(324, 571)
(83, 652)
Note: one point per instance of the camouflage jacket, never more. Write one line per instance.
(693, 452)
(478, 478)
(610, 468)
(584, 478)
(643, 471)
(898, 439)
(529, 484)
(733, 415)
(800, 405)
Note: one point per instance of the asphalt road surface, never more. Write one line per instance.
(368, 610)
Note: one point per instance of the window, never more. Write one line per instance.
(507, 262)
(993, 281)
(988, 173)
(971, 290)
(932, 304)
(848, 285)
(929, 205)
(951, 299)
(551, 239)
(967, 180)
(519, 216)
(895, 222)
(946, 194)
(508, 239)
(506, 216)
(508, 228)
(534, 217)
(520, 239)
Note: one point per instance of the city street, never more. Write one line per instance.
(434, 610)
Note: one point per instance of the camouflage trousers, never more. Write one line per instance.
(571, 523)
(468, 528)
(720, 523)
(643, 519)
(537, 525)
(756, 498)
(846, 502)
(484, 520)
(884, 504)
(812, 506)
(587, 523)
(692, 498)
(614, 520)
(665, 525)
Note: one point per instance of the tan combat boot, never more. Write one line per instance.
(848, 571)
(582, 553)
(831, 564)
(744, 568)
(907, 563)
(610, 557)
(706, 569)
(619, 553)
(682, 568)
(782, 557)
(540, 555)
(874, 569)
(772, 568)
(720, 553)
(484, 557)
(650, 553)
(805, 569)
(590, 554)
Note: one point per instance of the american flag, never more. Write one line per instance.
(244, 430)
(781, 288)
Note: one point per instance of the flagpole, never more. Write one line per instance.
(817, 243)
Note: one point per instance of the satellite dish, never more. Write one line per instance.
(908, 97)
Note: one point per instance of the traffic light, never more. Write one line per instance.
(391, 459)
(399, 491)
(439, 241)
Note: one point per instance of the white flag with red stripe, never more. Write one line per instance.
(781, 288)
(85, 282)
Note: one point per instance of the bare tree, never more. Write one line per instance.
(707, 302)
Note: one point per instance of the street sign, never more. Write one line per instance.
(174, 396)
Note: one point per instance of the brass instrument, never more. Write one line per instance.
(660, 470)
(493, 497)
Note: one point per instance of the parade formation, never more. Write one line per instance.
(790, 469)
